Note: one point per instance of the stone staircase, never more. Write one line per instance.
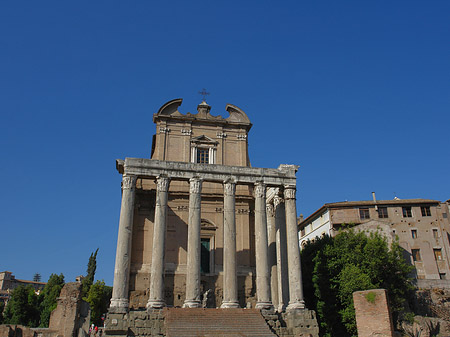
(201, 322)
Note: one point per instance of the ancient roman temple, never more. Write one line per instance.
(200, 227)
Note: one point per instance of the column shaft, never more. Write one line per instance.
(156, 297)
(194, 245)
(271, 235)
(261, 248)
(282, 257)
(296, 300)
(230, 298)
(119, 300)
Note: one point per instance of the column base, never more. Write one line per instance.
(155, 304)
(298, 305)
(229, 305)
(264, 305)
(192, 304)
(119, 305)
(281, 307)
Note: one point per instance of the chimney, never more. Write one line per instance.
(375, 201)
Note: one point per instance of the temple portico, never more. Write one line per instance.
(261, 180)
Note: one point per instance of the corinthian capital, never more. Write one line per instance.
(229, 187)
(260, 190)
(195, 185)
(162, 184)
(289, 192)
(128, 182)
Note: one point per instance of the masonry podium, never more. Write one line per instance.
(200, 228)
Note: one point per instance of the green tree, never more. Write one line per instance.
(22, 307)
(48, 297)
(87, 282)
(334, 268)
(2, 307)
(37, 277)
(98, 298)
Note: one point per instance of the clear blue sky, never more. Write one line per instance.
(355, 92)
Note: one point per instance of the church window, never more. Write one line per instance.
(203, 150)
(205, 257)
(202, 156)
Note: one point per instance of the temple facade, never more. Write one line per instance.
(200, 227)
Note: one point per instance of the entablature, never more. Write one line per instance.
(141, 167)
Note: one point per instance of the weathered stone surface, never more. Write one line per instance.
(72, 314)
(373, 317)
(293, 323)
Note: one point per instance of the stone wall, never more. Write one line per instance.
(295, 323)
(72, 315)
(373, 317)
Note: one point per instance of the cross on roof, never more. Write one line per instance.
(204, 94)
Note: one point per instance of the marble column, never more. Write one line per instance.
(296, 300)
(230, 298)
(282, 259)
(156, 297)
(272, 247)
(194, 245)
(261, 249)
(119, 300)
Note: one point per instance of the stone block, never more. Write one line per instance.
(373, 317)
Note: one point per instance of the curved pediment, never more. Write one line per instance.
(236, 114)
(171, 108)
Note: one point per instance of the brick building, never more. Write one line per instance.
(421, 225)
(8, 283)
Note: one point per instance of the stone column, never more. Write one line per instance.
(156, 298)
(119, 300)
(295, 272)
(272, 246)
(282, 263)
(230, 298)
(194, 245)
(261, 249)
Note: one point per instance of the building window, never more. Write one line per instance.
(442, 276)
(414, 233)
(382, 212)
(205, 255)
(437, 254)
(203, 150)
(435, 233)
(364, 213)
(407, 213)
(416, 255)
(444, 215)
(425, 210)
(202, 156)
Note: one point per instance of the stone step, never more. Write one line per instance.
(202, 322)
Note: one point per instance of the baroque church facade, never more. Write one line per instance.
(199, 226)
